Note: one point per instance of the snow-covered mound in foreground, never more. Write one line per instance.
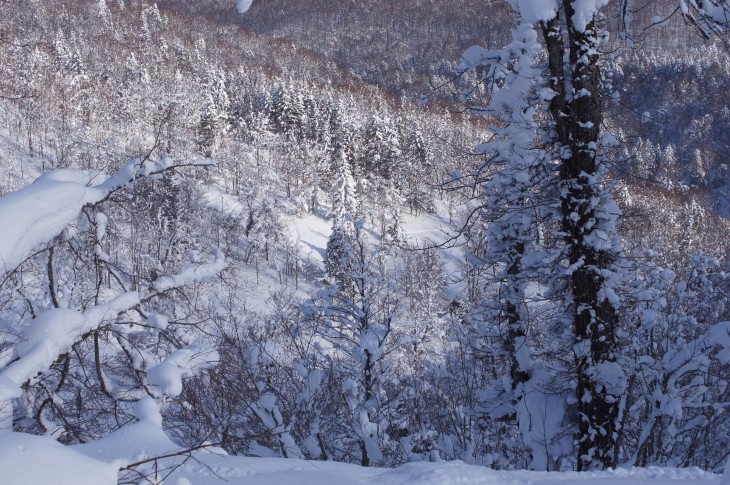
(34, 460)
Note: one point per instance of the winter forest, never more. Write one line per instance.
(338, 241)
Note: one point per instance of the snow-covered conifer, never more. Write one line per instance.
(358, 312)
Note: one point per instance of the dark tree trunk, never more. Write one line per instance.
(368, 387)
(515, 324)
(577, 112)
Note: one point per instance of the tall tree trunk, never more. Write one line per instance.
(516, 332)
(577, 112)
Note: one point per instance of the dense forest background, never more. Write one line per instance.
(322, 147)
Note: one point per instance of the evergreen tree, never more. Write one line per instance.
(214, 121)
(359, 310)
(339, 254)
(416, 173)
(102, 10)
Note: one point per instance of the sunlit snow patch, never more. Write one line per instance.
(243, 5)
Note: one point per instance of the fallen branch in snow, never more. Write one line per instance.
(186, 452)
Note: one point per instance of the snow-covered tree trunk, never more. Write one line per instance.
(589, 225)
(569, 149)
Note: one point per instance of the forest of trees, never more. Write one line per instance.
(568, 310)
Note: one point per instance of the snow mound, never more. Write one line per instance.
(35, 460)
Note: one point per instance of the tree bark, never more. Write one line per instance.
(577, 112)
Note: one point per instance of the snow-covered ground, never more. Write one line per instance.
(34, 460)
(263, 471)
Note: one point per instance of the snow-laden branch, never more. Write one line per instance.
(191, 273)
(708, 16)
(53, 332)
(167, 376)
(37, 213)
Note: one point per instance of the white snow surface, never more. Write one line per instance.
(34, 460)
(532, 11)
(311, 234)
(39, 212)
(243, 5)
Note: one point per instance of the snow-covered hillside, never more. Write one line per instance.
(141, 452)
(231, 257)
